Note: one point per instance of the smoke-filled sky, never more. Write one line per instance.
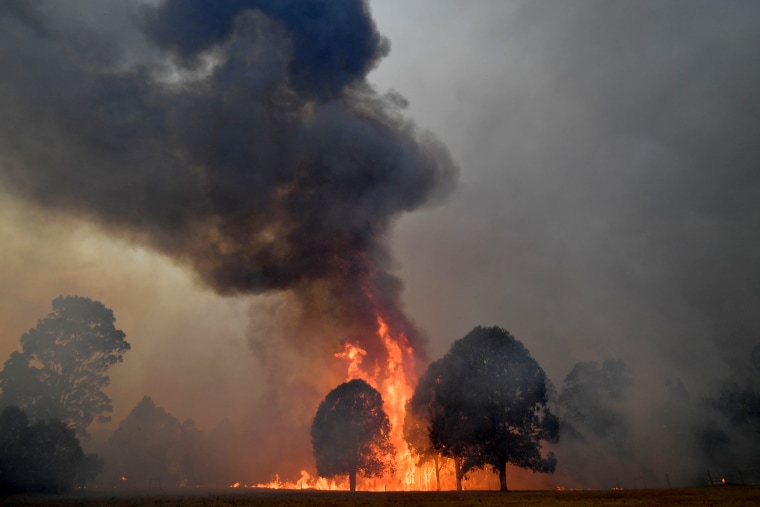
(597, 196)
(610, 195)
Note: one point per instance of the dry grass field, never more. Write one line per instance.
(715, 496)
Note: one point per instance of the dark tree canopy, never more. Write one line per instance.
(61, 369)
(41, 457)
(153, 448)
(351, 433)
(151, 444)
(490, 405)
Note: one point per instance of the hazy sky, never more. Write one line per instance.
(609, 192)
(607, 204)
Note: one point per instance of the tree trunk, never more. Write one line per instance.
(436, 460)
(503, 476)
(458, 473)
(352, 480)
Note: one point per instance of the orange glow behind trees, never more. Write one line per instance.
(392, 374)
(393, 377)
(393, 382)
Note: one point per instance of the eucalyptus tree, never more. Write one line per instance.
(60, 371)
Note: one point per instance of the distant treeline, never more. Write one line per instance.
(485, 404)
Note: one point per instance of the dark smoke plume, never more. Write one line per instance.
(242, 140)
(239, 138)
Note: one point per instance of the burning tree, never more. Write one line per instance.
(419, 414)
(351, 433)
(488, 405)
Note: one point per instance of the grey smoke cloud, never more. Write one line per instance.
(242, 140)
(610, 193)
(609, 198)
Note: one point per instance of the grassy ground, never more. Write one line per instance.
(715, 496)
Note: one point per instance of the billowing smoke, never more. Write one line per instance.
(245, 143)
(239, 138)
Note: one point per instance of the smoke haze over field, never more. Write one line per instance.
(607, 205)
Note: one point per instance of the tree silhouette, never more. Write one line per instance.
(60, 371)
(587, 401)
(732, 439)
(490, 405)
(351, 433)
(43, 457)
(152, 444)
(593, 427)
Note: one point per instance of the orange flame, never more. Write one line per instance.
(395, 383)
(393, 376)
(391, 379)
(354, 355)
(306, 481)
